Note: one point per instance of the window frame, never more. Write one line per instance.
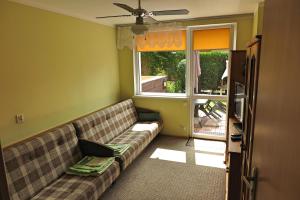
(138, 84)
(188, 72)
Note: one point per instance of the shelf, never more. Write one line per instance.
(233, 147)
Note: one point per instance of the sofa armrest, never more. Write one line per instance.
(90, 148)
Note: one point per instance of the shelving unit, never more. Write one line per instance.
(234, 164)
(239, 154)
(233, 151)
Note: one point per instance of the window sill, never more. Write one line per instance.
(161, 96)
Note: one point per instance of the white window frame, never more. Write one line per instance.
(232, 46)
(192, 95)
(188, 72)
(138, 86)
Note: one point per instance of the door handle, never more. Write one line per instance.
(250, 182)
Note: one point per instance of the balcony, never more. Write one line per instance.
(210, 117)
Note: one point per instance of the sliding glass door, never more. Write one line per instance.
(209, 53)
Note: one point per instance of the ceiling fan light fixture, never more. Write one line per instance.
(143, 15)
(139, 29)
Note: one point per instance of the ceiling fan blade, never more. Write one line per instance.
(113, 16)
(124, 6)
(170, 12)
(150, 20)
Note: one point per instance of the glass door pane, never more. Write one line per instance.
(209, 70)
(210, 118)
(212, 73)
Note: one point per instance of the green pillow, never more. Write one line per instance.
(148, 116)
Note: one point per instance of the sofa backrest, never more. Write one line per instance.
(35, 163)
(104, 125)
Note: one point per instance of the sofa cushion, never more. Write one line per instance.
(70, 187)
(138, 136)
(35, 163)
(104, 125)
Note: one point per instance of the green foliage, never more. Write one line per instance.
(173, 64)
(166, 63)
(170, 87)
(180, 82)
(163, 63)
(213, 65)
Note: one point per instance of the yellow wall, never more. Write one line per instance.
(258, 19)
(175, 112)
(53, 68)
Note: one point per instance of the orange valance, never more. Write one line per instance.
(161, 41)
(210, 39)
(207, 39)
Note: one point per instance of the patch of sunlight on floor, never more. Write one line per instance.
(170, 155)
(210, 160)
(215, 147)
(210, 153)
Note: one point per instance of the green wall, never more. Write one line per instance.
(175, 112)
(54, 68)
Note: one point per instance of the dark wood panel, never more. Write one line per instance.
(236, 75)
(252, 75)
(3, 185)
(234, 164)
(234, 178)
(277, 137)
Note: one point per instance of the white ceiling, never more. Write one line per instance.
(89, 9)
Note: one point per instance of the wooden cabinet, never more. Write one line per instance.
(237, 74)
(234, 156)
(234, 164)
(244, 69)
(238, 60)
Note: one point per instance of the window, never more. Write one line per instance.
(161, 63)
(163, 71)
(214, 72)
(211, 47)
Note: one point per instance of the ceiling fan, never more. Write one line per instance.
(143, 16)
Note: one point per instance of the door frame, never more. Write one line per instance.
(190, 72)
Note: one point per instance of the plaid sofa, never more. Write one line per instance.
(35, 169)
(118, 124)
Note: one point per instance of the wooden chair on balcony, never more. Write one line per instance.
(210, 108)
